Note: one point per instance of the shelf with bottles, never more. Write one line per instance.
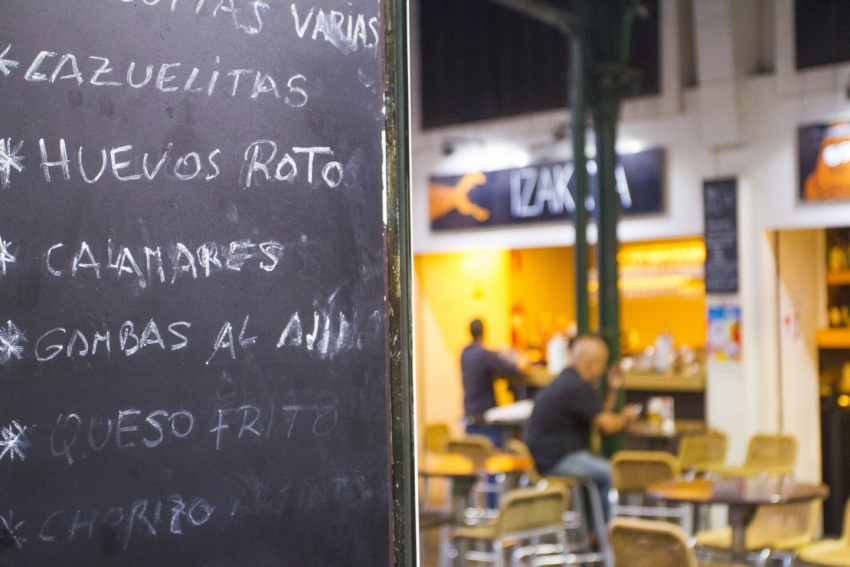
(834, 338)
(838, 256)
(838, 287)
(838, 277)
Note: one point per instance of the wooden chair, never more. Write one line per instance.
(700, 453)
(631, 472)
(485, 495)
(477, 448)
(767, 454)
(437, 437)
(777, 531)
(525, 515)
(649, 543)
(830, 552)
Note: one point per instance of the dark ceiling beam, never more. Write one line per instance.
(545, 12)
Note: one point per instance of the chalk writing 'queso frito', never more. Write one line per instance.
(74, 437)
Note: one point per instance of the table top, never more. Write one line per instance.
(749, 491)
(645, 428)
(458, 466)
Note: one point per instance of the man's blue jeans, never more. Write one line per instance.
(494, 434)
(586, 465)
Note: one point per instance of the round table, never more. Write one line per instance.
(464, 473)
(741, 495)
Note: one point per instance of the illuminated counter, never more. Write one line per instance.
(688, 392)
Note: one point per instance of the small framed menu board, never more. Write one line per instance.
(721, 236)
(196, 281)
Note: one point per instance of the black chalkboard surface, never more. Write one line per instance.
(192, 284)
(721, 236)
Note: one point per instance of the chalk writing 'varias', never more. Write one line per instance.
(346, 34)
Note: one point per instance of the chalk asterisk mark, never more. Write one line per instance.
(9, 159)
(11, 339)
(6, 65)
(10, 532)
(14, 441)
(6, 257)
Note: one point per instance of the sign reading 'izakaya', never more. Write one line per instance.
(542, 192)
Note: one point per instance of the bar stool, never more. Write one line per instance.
(574, 517)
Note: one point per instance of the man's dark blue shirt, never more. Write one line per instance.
(480, 367)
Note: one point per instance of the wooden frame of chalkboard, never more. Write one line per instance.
(204, 284)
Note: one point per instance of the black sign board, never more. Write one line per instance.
(542, 192)
(721, 236)
(193, 350)
(824, 161)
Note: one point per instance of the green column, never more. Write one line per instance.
(605, 114)
(579, 124)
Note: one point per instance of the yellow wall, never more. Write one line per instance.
(681, 311)
(648, 317)
(452, 290)
(542, 282)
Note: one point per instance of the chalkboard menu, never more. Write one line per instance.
(193, 349)
(721, 236)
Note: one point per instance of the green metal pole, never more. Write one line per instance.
(578, 112)
(605, 115)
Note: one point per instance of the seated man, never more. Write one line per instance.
(479, 368)
(558, 431)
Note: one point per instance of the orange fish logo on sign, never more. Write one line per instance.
(444, 199)
(831, 176)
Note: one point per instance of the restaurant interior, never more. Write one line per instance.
(731, 247)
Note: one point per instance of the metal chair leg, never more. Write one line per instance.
(599, 521)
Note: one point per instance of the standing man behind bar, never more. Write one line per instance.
(558, 431)
(480, 368)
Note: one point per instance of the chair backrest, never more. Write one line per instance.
(474, 447)
(517, 448)
(698, 450)
(436, 437)
(631, 471)
(527, 509)
(650, 543)
(772, 450)
(774, 522)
